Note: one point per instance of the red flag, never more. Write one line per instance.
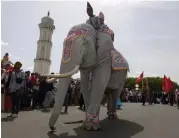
(139, 79)
(165, 84)
(170, 83)
(147, 84)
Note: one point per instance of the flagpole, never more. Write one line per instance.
(148, 90)
(142, 84)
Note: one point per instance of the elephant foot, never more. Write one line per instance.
(91, 123)
(52, 128)
(112, 116)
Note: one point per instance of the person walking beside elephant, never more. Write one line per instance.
(42, 91)
(16, 86)
(76, 94)
(68, 98)
(144, 97)
(50, 88)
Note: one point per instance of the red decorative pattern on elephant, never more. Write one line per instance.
(107, 30)
(92, 118)
(68, 42)
(118, 61)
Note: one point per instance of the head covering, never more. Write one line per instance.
(18, 65)
(7, 54)
(89, 10)
(101, 15)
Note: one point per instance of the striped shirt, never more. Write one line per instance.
(14, 86)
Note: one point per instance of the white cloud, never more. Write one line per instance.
(138, 72)
(14, 57)
(30, 68)
(154, 75)
(4, 43)
(76, 76)
(144, 32)
(146, 74)
(113, 2)
(22, 49)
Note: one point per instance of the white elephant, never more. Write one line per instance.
(103, 67)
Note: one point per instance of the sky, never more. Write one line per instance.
(146, 33)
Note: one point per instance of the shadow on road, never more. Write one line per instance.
(110, 129)
(7, 119)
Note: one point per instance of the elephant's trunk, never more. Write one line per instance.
(65, 75)
(62, 87)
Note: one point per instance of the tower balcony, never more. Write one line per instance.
(42, 59)
(44, 41)
(47, 26)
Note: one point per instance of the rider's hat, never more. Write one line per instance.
(101, 15)
(89, 10)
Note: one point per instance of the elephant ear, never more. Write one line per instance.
(101, 16)
(89, 10)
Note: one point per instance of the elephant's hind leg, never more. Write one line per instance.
(117, 84)
(113, 98)
(109, 100)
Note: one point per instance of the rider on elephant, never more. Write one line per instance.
(103, 25)
(97, 21)
(93, 20)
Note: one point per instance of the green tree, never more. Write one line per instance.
(154, 83)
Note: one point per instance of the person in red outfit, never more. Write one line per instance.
(33, 80)
(8, 103)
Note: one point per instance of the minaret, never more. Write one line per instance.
(42, 61)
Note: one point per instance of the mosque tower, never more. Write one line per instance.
(42, 61)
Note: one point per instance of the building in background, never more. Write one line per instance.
(42, 61)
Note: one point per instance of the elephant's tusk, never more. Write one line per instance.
(51, 80)
(65, 75)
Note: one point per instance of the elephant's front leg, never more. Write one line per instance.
(101, 76)
(84, 73)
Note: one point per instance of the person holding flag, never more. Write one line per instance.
(140, 78)
(177, 97)
(167, 87)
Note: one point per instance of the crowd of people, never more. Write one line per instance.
(134, 96)
(26, 90)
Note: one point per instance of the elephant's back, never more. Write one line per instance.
(105, 43)
(86, 26)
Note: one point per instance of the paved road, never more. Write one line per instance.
(135, 121)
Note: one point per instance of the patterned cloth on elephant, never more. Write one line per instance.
(118, 61)
(104, 28)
